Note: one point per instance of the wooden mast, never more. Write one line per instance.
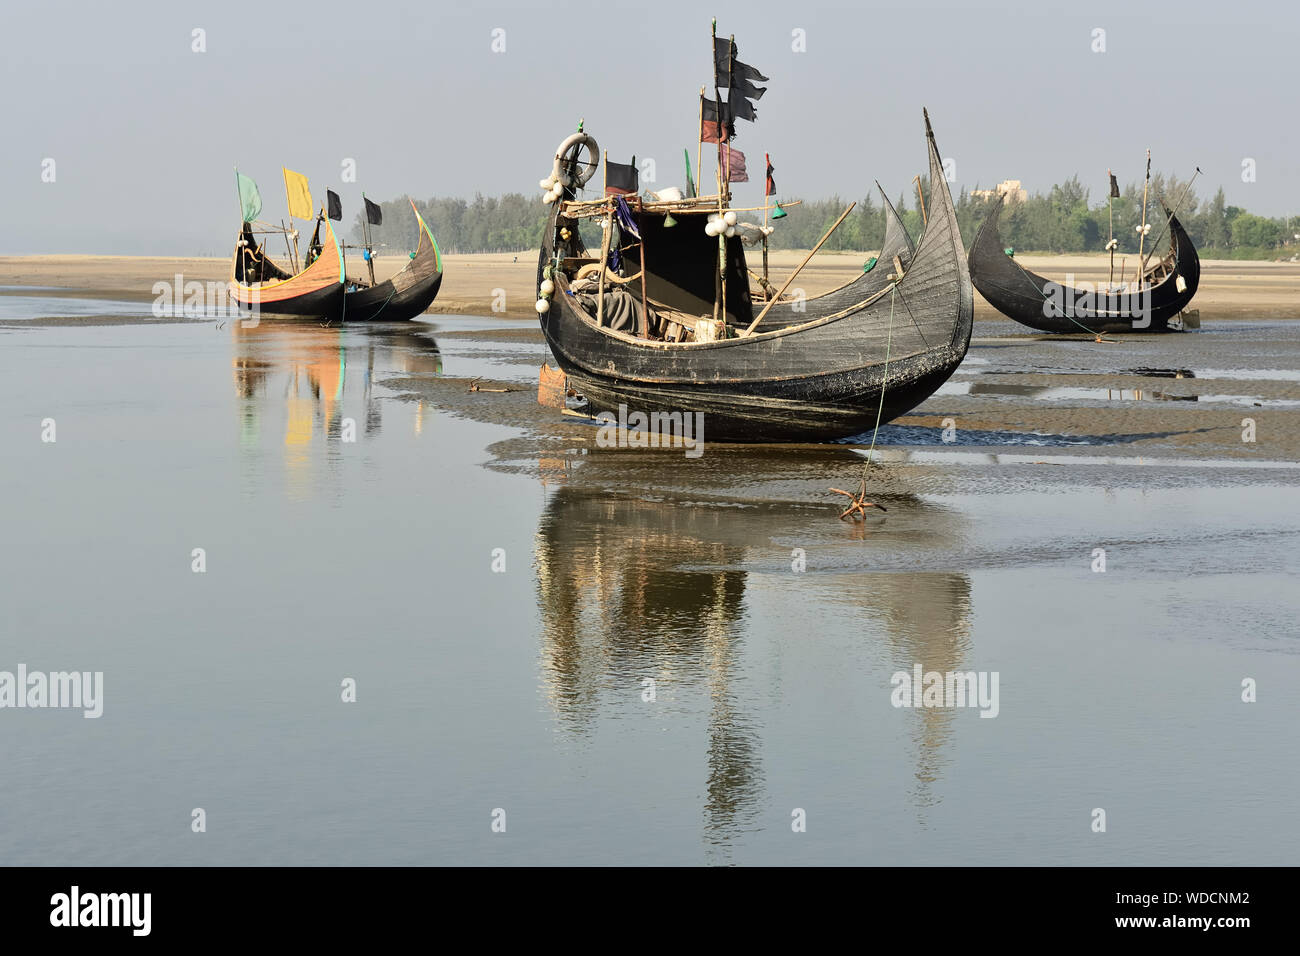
(699, 147)
(1110, 241)
(607, 231)
(365, 226)
(1142, 234)
(766, 162)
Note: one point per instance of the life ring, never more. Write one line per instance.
(580, 178)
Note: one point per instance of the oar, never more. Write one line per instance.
(808, 258)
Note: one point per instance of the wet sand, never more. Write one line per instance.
(1229, 289)
(1185, 397)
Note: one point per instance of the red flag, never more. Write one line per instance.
(621, 179)
(734, 163)
(769, 189)
(715, 121)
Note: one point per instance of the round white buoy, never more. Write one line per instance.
(730, 217)
(543, 306)
(547, 287)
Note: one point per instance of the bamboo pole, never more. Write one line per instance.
(767, 161)
(731, 56)
(370, 259)
(721, 299)
(1143, 234)
(607, 231)
(293, 260)
(699, 147)
(808, 258)
(1110, 201)
(920, 201)
(645, 307)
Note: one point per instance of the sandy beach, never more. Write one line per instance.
(1229, 289)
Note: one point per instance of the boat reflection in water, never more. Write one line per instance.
(321, 382)
(640, 574)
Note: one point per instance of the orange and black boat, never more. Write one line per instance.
(259, 285)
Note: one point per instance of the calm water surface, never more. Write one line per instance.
(523, 689)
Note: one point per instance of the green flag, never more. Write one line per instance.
(690, 185)
(250, 200)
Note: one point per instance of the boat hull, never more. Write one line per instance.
(384, 303)
(1047, 306)
(318, 304)
(316, 292)
(405, 295)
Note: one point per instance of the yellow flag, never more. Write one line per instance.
(295, 188)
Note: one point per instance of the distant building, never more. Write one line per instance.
(1010, 188)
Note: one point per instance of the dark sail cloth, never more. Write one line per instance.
(622, 311)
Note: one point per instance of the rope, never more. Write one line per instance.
(889, 342)
(1033, 286)
(382, 307)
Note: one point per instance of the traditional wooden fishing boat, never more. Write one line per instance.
(1153, 302)
(876, 355)
(405, 295)
(259, 285)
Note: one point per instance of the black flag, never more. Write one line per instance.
(741, 108)
(742, 87)
(726, 65)
(333, 205)
(374, 215)
(1114, 185)
(621, 179)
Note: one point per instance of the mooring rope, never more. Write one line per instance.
(1033, 286)
(889, 341)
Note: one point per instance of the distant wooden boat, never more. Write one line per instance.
(259, 285)
(873, 356)
(405, 295)
(1151, 303)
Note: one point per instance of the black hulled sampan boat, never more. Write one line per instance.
(662, 320)
(656, 335)
(1152, 302)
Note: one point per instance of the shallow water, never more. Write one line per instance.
(372, 559)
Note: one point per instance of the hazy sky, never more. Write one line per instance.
(145, 133)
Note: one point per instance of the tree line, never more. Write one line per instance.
(1063, 219)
